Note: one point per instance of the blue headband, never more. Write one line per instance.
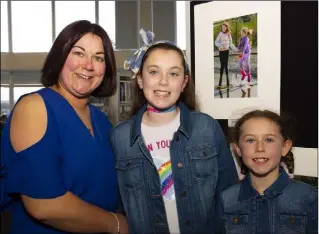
(133, 62)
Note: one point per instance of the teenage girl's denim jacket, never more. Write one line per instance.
(287, 207)
(202, 167)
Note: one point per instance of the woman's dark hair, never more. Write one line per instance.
(286, 124)
(62, 46)
(187, 96)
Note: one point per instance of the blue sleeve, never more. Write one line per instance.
(227, 172)
(218, 217)
(312, 218)
(36, 171)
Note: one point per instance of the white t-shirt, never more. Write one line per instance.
(157, 140)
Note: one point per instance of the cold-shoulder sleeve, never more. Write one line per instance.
(36, 171)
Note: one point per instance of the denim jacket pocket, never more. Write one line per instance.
(293, 223)
(130, 172)
(203, 162)
(236, 223)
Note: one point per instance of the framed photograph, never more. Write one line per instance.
(237, 56)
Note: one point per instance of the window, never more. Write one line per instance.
(181, 24)
(4, 27)
(107, 18)
(19, 91)
(25, 78)
(5, 101)
(31, 26)
(68, 11)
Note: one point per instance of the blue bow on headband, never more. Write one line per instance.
(133, 63)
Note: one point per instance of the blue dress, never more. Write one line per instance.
(67, 158)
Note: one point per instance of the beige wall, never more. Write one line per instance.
(34, 61)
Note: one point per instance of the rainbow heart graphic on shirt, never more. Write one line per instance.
(164, 170)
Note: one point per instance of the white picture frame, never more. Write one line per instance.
(269, 35)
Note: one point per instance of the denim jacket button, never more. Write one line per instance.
(292, 219)
(235, 220)
(183, 194)
(180, 165)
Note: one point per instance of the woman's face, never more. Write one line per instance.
(224, 28)
(163, 78)
(84, 68)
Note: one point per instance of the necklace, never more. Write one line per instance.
(156, 110)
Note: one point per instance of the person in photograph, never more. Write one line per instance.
(59, 164)
(244, 57)
(267, 200)
(220, 91)
(224, 43)
(171, 160)
(245, 89)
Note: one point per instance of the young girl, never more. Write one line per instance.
(267, 200)
(172, 161)
(224, 43)
(245, 50)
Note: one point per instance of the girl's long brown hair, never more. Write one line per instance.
(187, 96)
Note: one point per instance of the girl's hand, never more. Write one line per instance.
(221, 48)
(241, 55)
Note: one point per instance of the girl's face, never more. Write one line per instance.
(224, 28)
(162, 78)
(242, 34)
(84, 68)
(261, 146)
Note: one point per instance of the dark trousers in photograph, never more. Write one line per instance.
(223, 57)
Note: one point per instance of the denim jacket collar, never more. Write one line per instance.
(247, 191)
(184, 125)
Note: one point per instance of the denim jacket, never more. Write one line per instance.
(202, 167)
(287, 206)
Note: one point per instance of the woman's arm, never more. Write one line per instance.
(71, 214)
(61, 209)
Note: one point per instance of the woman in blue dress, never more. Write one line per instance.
(58, 165)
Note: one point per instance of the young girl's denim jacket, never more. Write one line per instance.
(202, 167)
(287, 207)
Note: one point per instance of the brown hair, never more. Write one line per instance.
(187, 96)
(62, 46)
(286, 124)
(227, 27)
